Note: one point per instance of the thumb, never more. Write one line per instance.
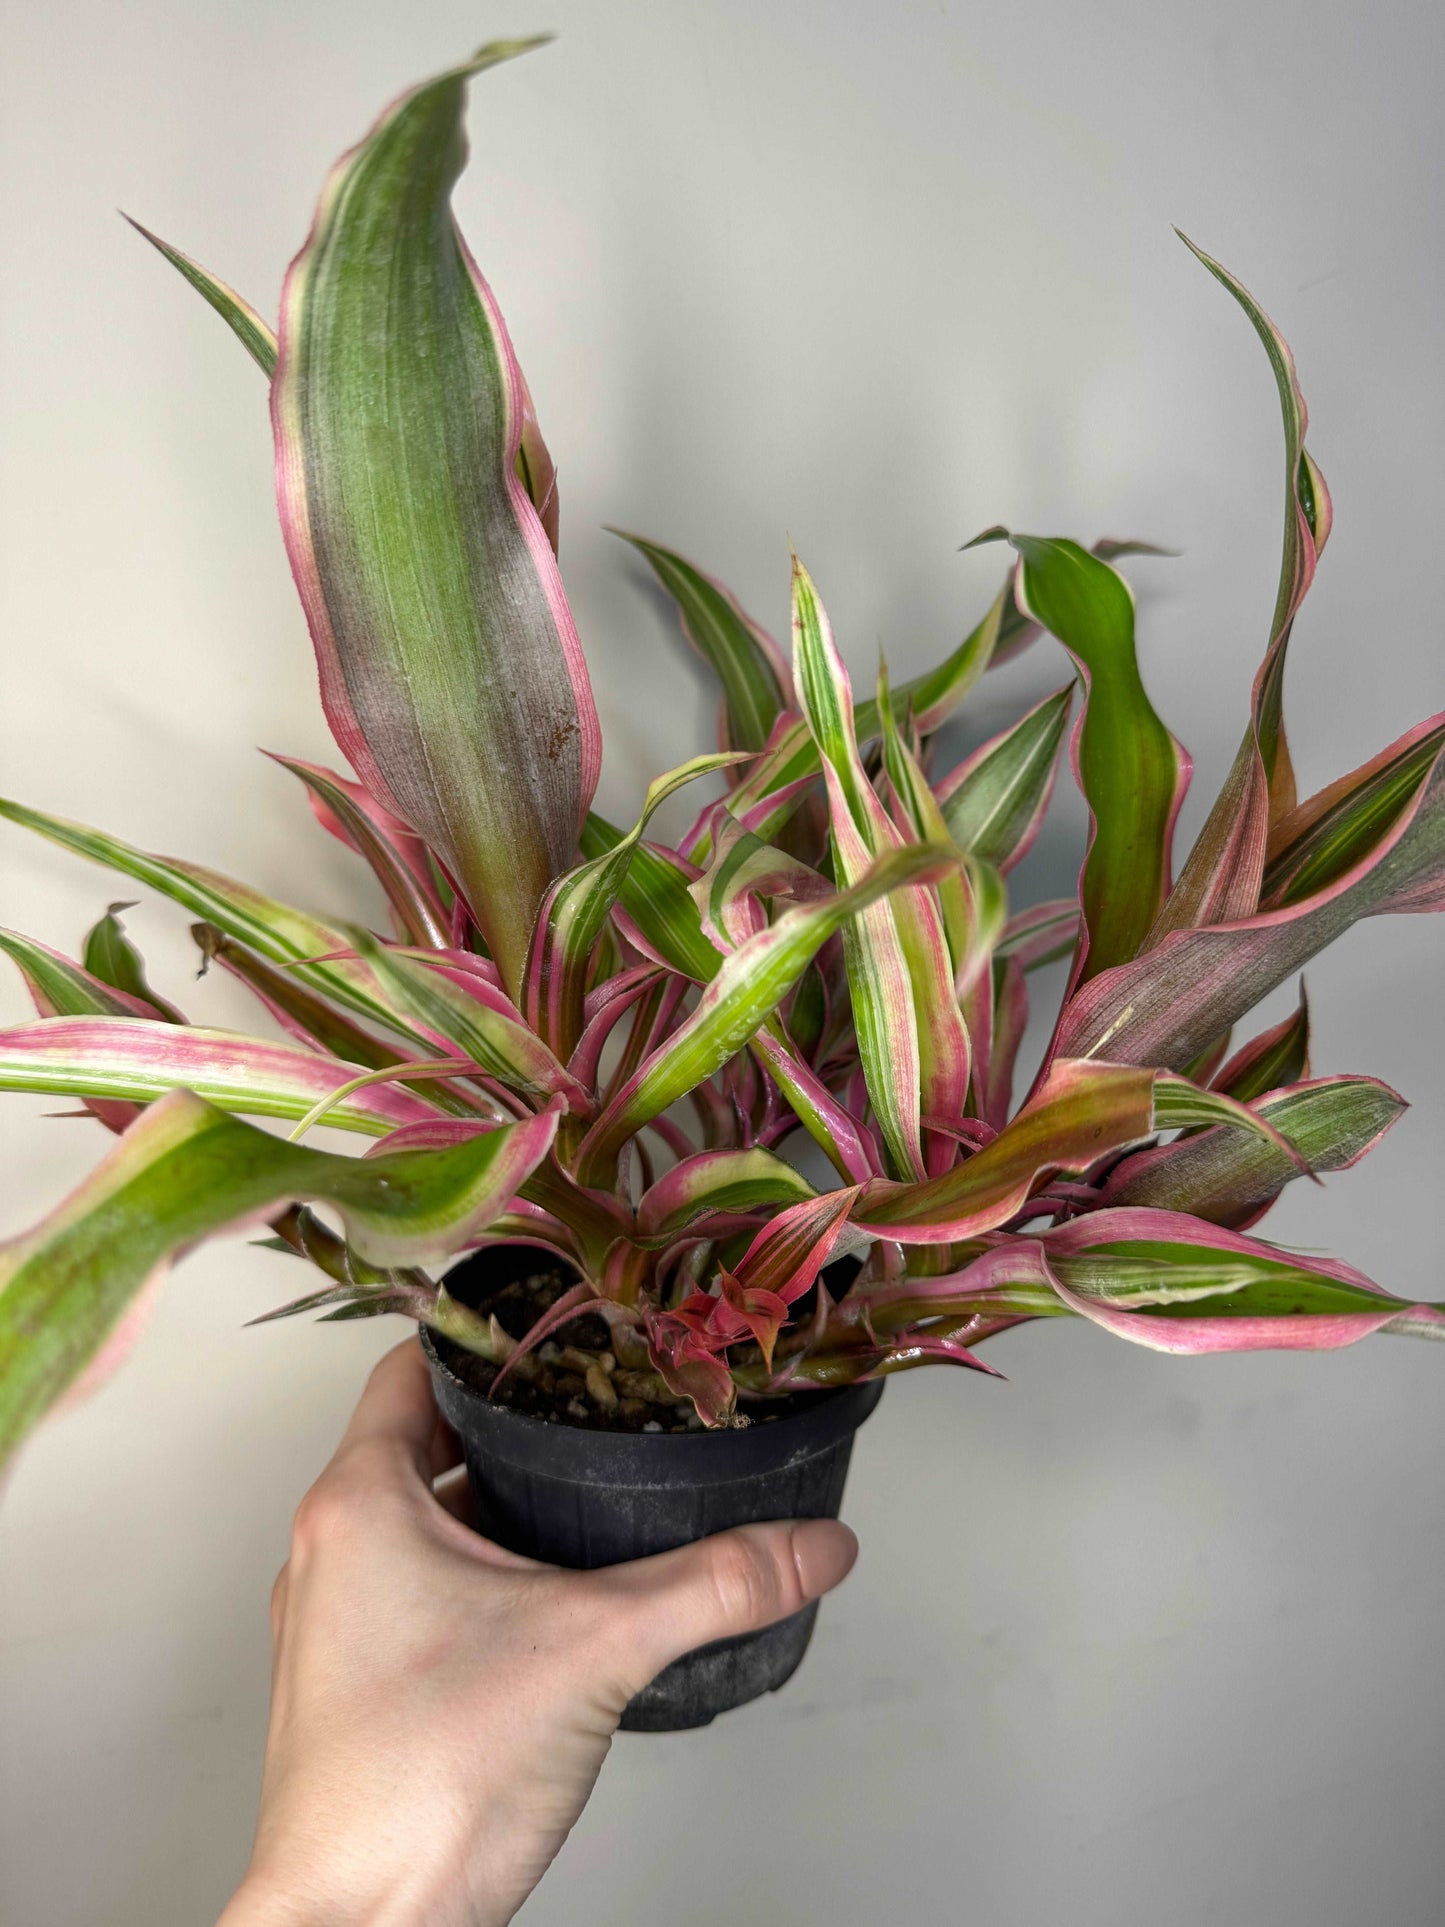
(733, 1583)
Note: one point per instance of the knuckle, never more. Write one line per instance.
(323, 1516)
(747, 1579)
(362, 1484)
(278, 1596)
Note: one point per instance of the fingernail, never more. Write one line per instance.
(823, 1552)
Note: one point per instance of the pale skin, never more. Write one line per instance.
(441, 1708)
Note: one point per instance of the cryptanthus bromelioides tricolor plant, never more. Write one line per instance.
(607, 1047)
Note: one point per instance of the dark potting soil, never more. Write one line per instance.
(576, 1377)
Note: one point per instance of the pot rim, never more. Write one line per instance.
(562, 1449)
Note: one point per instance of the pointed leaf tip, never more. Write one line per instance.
(442, 629)
(254, 334)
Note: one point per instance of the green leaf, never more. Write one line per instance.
(451, 671)
(184, 1170)
(60, 988)
(574, 911)
(994, 802)
(1132, 771)
(110, 955)
(274, 930)
(656, 895)
(1220, 881)
(139, 1059)
(749, 666)
(748, 988)
(1231, 1178)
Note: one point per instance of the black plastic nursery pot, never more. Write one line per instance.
(581, 1497)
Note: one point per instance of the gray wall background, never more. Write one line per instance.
(1131, 1640)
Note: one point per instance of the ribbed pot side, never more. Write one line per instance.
(578, 1497)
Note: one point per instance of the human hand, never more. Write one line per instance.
(440, 1708)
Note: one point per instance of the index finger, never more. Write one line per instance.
(397, 1407)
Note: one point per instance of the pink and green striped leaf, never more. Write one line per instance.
(140, 1059)
(1041, 934)
(59, 987)
(973, 901)
(1083, 1111)
(574, 910)
(111, 983)
(314, 1022)
(1168, 1005)
(478, 1020)
(912, 1040)
(748, 988)
(273, 930)
(1325, 838)
(1232, 1178)
(451, 671)
(303, 1015)
(850, 1145)
(184, 1170)
(1209, 1289)
(788, 1253)
(1161, 1278)
(994, 802)
(535, 469)
(881, 996)
(715, 1182)
(931, 698)
(1220, 881)
(419, 915)
(655, 897)
(744, 871)
(1278, 1056)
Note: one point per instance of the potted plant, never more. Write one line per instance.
(588, 1061)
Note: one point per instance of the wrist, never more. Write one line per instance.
(264, 1899)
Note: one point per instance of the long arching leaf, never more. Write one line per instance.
(185, 1169)
(274, 930)
(1168, 1005)
(1220, 880)
(1232, 1179)
(451, 671)
(139, 1059)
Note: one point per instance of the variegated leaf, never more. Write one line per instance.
(749, 665)
(185, 1169)
(451, 670)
